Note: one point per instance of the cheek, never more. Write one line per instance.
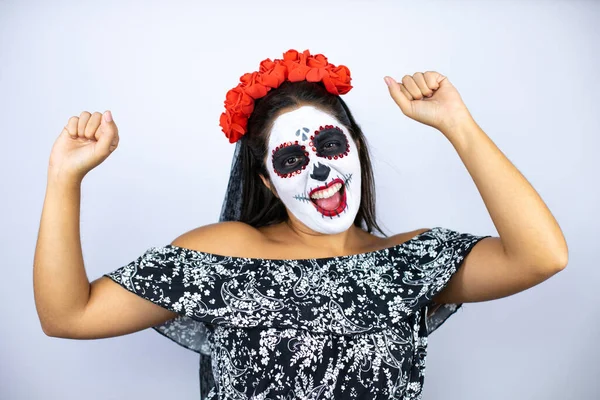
(348, 164)
(347, 158)
(276, 174)
(294, 183)
(353, 159)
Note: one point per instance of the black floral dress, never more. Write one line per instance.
(348, 327)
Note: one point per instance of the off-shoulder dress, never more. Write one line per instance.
(346, 327)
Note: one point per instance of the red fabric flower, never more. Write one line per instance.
(291, 55)
(318, 68)
(294, 67)
(236, 100)
(338, 80)
(252, 87)
(272, 74)
(234, 125)
(317, 61)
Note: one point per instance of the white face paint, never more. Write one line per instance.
(314, 166)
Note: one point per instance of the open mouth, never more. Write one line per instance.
(330, 199)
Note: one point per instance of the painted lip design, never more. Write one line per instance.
(326, 191)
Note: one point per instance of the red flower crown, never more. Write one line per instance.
(294, 67)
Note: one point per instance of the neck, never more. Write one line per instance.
(340, 243)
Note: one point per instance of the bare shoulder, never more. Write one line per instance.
(406, 236)
(226, 238)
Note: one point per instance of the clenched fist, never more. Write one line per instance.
(84, 143)
(431, 99)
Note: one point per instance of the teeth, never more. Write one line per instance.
(326, 193)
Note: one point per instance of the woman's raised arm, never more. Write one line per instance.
(67, 304)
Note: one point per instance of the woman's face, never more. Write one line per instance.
(314, 166)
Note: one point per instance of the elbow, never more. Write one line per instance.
(561, 264)
(540, 270)
(47, 322)
(542, 260)
(57, 333)
(54, 329)
(51, 330)
(554, 266)
(543, 263)
(560, 259)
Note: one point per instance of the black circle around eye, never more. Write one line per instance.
(330, 142)
(288, 159)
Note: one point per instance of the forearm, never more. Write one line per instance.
(61, 287)
(529, 233)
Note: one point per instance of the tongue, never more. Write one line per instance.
(330, 203)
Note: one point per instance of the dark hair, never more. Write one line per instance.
(260, 207)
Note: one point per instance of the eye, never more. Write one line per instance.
(331, 142)
(291, 161)
(289, 158)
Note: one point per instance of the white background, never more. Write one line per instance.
(527, 70)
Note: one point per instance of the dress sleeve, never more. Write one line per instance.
(440, 257)
(186, 282)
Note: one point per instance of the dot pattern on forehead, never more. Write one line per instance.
(305, 131)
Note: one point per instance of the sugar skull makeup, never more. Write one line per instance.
(314, 166)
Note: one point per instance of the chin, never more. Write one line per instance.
(329, 208)
(329, 224)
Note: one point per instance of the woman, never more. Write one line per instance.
(292, 295)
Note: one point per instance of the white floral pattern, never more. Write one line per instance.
(348, 327)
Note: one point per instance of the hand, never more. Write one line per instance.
(84, 143)
(431, 99)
